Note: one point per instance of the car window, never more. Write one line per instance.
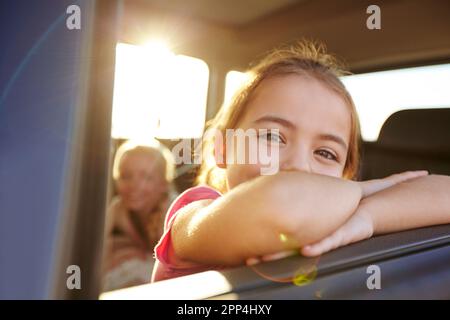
(377, 95)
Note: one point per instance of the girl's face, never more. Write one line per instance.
(140, 183)
(314, 126)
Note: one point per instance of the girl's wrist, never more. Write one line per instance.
(360, 187)
(364, 212)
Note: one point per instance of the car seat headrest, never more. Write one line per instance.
(417, 129)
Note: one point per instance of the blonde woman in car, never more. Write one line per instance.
(143, 175)
(313, 204)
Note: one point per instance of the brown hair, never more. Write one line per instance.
(303, 58)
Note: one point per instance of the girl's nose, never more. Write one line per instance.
(297, 162)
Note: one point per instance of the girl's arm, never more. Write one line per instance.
(256, 217)
(416, 203)
(412, 204)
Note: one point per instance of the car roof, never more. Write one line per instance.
(233, 34)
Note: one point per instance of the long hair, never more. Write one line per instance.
(304, 58)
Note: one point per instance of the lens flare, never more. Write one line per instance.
(302, 272)
(304, 277)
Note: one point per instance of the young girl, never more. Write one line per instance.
(143, 176)
(238, 216)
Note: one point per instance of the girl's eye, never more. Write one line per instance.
(327, 155)
(272, 137)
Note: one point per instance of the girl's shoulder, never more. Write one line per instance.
(190, 195)
(200, 192)
(168, 266)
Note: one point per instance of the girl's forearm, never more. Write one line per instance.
(412, 204)
(252, 218)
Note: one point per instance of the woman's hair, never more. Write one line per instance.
(304, 58)
(162, 156)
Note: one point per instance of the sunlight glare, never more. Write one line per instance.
(157, 93)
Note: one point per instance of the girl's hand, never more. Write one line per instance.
(370, 187)
(360, 225)
(357, 228)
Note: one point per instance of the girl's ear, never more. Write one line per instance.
(220, 153)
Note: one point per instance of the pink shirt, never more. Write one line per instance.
(166, 266)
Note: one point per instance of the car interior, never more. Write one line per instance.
(63, 148)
